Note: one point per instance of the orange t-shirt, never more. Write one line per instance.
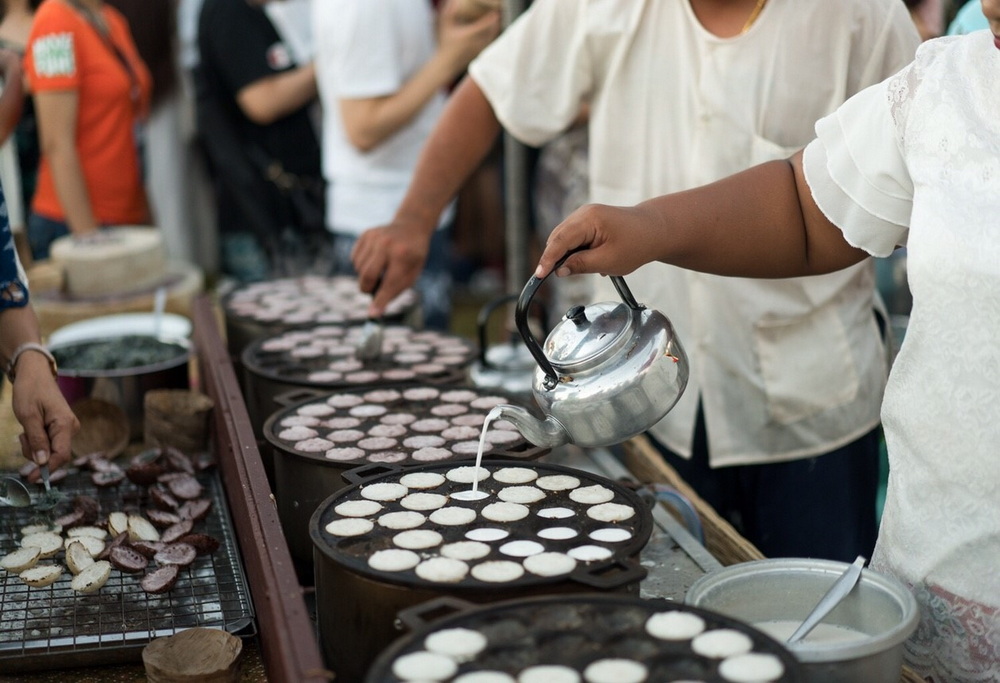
(65, 52)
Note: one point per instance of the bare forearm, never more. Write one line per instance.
(389, 258)
(275, 97)
(57, 111)
(463, 137)
(17, 326)
(370, 122)
(760, 223)
(71, 189)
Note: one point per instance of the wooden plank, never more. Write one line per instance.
(723, 541)
(287, 636)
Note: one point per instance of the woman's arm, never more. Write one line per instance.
(56, 112)
(761, 223)
(37, 402)
(391, 257)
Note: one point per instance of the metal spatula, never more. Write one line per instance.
(370, 345)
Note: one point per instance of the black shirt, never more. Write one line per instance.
(239, 45)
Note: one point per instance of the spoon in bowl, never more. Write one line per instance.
(838, 591)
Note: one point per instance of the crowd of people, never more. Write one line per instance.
(744, 160)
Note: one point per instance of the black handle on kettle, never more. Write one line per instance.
(521, 315)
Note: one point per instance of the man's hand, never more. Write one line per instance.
(388, 260)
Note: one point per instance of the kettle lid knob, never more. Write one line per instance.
(578, 314)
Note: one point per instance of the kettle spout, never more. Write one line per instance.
(547, 433)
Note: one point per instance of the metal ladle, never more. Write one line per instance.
(838, 591)
(13, 493)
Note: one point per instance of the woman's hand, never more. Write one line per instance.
(42, 411)
(611, 240)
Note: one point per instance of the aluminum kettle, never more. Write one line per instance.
(608, 371)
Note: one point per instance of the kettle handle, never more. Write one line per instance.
(521, 315)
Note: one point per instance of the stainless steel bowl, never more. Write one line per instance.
(125, 387)
(880, 609)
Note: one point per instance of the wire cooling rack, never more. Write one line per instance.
(54, 626)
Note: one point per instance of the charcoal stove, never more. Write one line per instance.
(580, 533)
(315, 441)
(575, 638)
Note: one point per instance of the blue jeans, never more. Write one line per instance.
(42, 232)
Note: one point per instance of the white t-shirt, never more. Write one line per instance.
(370, 48)
(292, 21)
(785, 368)
(916, 161)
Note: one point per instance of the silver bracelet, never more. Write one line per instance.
(30, 346)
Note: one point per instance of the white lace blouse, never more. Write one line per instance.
(915, 160)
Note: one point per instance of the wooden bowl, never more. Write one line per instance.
(178, 418)
(104, 428)
(195, 655)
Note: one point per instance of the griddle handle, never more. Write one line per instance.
(482, 325)
(293, 396)
(418, 616)
(359, 475)
(609, 576)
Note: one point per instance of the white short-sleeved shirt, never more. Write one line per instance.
(364, 49)
(916, 160)
(785, 368)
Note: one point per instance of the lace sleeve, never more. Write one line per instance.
(898, 90)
